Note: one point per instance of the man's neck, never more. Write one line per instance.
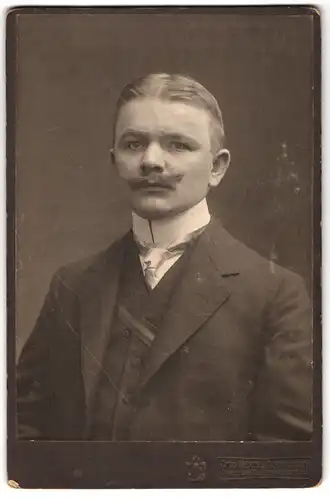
(171, 230)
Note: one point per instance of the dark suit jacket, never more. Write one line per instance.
(231, 362)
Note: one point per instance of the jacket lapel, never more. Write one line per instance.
(98, 300)
(201, 292)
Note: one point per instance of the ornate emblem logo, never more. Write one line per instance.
(196, 469)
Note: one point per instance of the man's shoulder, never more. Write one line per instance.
(251, 265)
(76, 272)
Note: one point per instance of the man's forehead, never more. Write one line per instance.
(149, 114)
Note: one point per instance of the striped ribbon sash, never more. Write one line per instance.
(142, 329)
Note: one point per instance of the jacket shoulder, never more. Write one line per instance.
(257, 270)
(251, 259)
(73, 274)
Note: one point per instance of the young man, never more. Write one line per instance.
(177, 331)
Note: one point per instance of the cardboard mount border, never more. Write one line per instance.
(48, 464)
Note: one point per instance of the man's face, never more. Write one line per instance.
(163, 150)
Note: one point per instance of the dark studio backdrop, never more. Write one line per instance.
(70, 70)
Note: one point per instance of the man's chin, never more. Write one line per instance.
(152, 211)
(152, 214)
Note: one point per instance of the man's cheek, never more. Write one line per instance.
(126, 169)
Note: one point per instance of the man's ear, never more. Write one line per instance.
(220, 164)
(112, 156)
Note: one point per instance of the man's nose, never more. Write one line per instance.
(153, 159)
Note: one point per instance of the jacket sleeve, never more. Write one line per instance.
(34, 391)
(283, 397)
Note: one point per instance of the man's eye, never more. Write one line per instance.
(134, 145)
(179, 146)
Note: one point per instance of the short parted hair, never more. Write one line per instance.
(176, 87)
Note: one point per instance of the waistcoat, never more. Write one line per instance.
(115, 399)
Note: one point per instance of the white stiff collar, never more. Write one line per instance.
(165, 232)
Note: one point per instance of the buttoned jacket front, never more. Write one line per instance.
(231, 362)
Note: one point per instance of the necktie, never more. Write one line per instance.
(155, 256)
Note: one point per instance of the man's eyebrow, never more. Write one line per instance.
(180, 137)
(165, 133)
(134, 132)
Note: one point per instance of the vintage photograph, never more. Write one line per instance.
(165, 253)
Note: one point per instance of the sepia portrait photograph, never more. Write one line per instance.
(164, 247)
